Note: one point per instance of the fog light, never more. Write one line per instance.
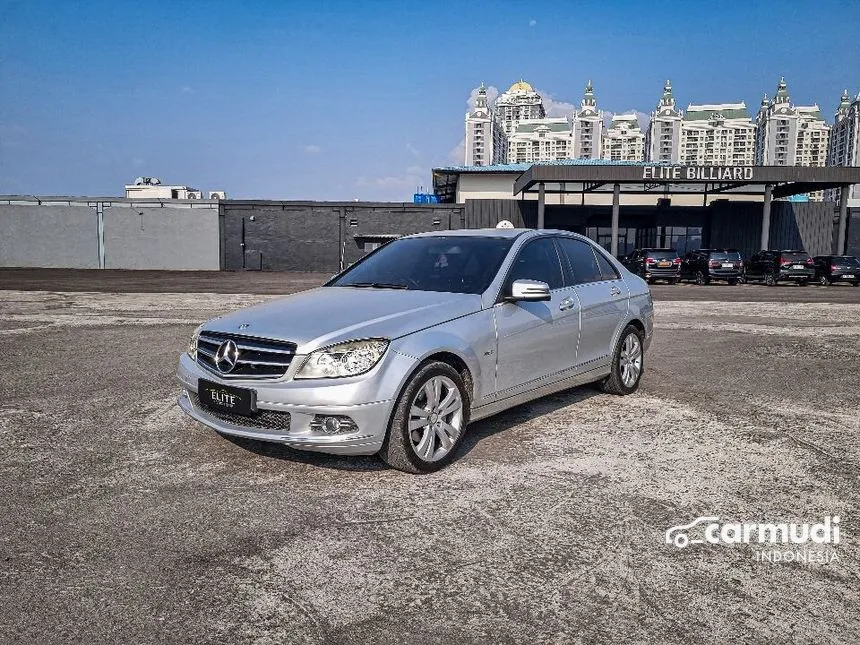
(333, 424)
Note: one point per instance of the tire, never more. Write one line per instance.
(650, 280)
(770, 279)
(401, 447)
(674, 280)
(701, 279)
(732, 281)
(824, 281)
(857, 284)
(802, 283)
(619, 381)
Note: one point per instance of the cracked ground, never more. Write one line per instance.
(124, 521)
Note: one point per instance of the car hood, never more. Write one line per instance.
(327, 315)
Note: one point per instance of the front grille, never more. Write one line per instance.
(264, 419)
(258, 357)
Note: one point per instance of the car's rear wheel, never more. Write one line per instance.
(732, 281)
(701, 279)
(628, 363)
(429, 420)
(770, 280)
(802, 283)
(824, 281)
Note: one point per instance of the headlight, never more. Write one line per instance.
(344, 359)
(192, 345)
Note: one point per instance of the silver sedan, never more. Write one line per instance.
(397, 354)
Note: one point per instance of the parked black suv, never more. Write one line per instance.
(706, 265)
(771, 267)
(837, 268)
(654, 264)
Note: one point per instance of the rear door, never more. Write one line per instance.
(536, 340)
(603, 300)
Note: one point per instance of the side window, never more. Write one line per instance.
(580, 260)
(606, 269)
(537, 260)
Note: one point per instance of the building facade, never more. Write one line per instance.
(790, 135)
(624, 140)
(486, 143)
(720, 134)
(844, 146)
(587, 127)
(519, 103)
(663, 138)
(541, 140)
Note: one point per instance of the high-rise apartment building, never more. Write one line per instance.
(587, 127)
(663, 139)
(486, 143)
(790, 135)
(541, 140)
(519, 103)
(844, 149)
(624, 140)
(720, 134)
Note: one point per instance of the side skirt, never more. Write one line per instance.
(500, 405)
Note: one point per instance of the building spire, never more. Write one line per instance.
(588, 100)
(781, 91)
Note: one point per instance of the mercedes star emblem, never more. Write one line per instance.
(226, 356)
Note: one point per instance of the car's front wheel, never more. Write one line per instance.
(628, 363)
(429, 420)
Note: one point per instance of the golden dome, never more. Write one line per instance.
(521, 86)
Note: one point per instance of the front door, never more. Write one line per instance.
(536, 340)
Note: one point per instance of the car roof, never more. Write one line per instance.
(506, 233)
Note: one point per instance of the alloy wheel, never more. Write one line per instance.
(630, 360)
(435, 418)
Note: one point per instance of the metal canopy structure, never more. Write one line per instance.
(768, 182)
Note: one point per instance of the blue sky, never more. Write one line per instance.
(346, 100)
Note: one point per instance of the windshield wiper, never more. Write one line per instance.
(376, 285)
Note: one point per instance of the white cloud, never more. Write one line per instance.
(556, 108)
(312, 149)
(186, 89)
(415, 152)
(457, 155)
(396, 186)
(532, 22)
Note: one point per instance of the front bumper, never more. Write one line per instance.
(367, 400)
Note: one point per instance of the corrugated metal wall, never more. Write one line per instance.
(802, 225)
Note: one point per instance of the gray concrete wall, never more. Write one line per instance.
(59, 236)
(161, 238)
(63, 232)
(318, 236)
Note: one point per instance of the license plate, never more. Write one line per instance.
(848, 275)
(798, 266)
(227, 398)
(664, 264)
(728, 265)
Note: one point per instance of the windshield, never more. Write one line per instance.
(734, 256)
(453, 264)
(846, 260)
(662, 254)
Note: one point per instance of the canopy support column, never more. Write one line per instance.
(616, 200)
(541, 205)
(765, 217)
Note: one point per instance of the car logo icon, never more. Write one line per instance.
(226, 357)
(677, 535)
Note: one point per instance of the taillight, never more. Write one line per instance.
(833, 267)
(676, 261)
(649, 260)
(714, 264)
(784, 262)
(810, 261)
(741, 264)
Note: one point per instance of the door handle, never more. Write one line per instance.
(565, 304)
(615, 291)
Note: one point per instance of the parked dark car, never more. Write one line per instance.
(654, 264)
(707, 265)
(837, 268)
(772, 267)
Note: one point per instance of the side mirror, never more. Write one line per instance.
(530, 290)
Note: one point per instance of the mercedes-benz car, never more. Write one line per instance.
(397, 354)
